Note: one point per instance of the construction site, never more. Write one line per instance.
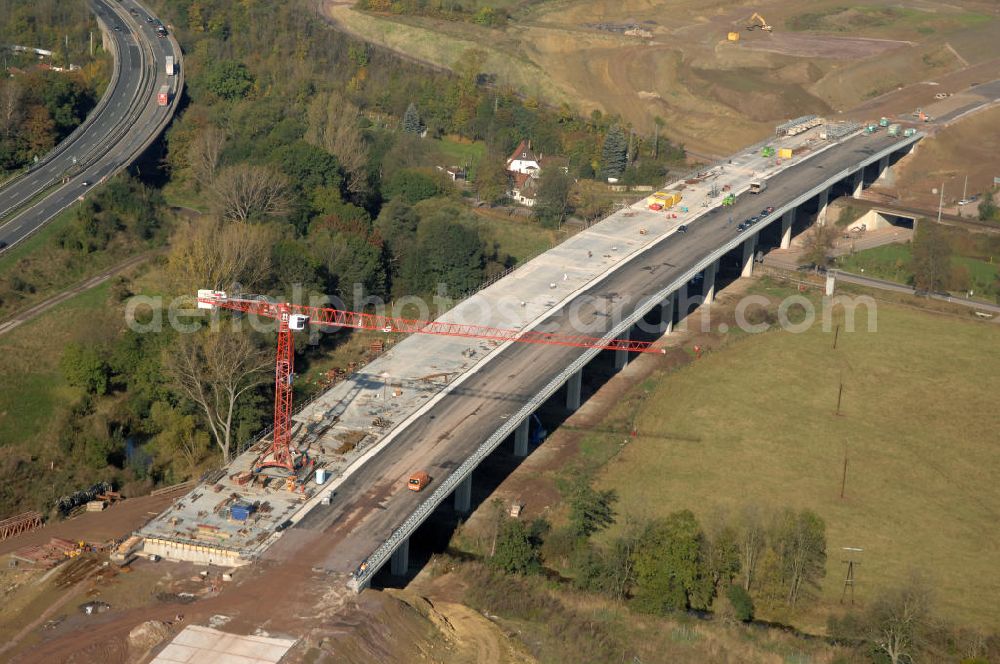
(235, 514)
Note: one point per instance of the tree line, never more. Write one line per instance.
(773, 561)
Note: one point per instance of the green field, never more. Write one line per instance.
(755, 423)
(892, 262)
(32, 388)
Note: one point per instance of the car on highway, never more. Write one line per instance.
(3, 244)
(149, 19)
(85, 183)
(740, 228)
(682, 228)
(766, 211)
(118, 28)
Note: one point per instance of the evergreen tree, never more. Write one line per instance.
(613, 156)
(411, 120)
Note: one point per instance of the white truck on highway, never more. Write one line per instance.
(170, 65)
(757, 186)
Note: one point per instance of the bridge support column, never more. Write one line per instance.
(463, 495)
(573, 386)
(787, 220)
(708, 287)
(681, 298)
(667, 313)
(883, 168)
(824, 203)
(749, 246)
(859, 183)
(521, 438)
(621, 356)
(399, 564)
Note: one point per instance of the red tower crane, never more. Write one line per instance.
(293, 317)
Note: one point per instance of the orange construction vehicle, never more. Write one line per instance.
(418, 480)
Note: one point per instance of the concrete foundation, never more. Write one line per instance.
(399, 564)
(194, 553)
(858, 183)
(573, 387)
(787, 220)
(521, 439)
(463, 496)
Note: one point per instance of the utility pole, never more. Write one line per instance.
(851, 564)
(941, 202)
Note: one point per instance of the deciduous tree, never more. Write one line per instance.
(552, 205)
(671, 569)
(215, 369)
(799, 540)
(898, 620)
(246, 192)
(931, 263)
(204, 154)
(210, 253)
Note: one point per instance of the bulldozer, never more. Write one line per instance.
(764, 25)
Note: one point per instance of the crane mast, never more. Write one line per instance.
(294, 317)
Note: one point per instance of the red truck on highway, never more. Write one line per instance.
(163, 96)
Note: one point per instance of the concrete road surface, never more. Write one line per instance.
(124, 122)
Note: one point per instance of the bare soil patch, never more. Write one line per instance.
(823, 46)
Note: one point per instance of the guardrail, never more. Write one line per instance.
(383, 553)
(137, 106)
(95, 112)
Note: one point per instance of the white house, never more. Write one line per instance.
(523, 160)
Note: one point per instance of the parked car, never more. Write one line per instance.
(682, 228)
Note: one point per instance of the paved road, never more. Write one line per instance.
(124, 122)
(374, 501)
(883, 284)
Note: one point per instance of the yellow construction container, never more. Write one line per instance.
(785, 153)
(733, 36)
(664, 199)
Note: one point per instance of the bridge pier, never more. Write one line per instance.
(749, 246)
(824, 203)
(521, 438)
(787, 220)
(859, 183)
(708, 287)
(573, 386)
(621, 356)
(883, 168)
(463, 495)
(399, 564)
(667, 313)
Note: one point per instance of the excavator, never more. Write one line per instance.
(763, 24)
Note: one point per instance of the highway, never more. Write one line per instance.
(123, 124)
(374, 501)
